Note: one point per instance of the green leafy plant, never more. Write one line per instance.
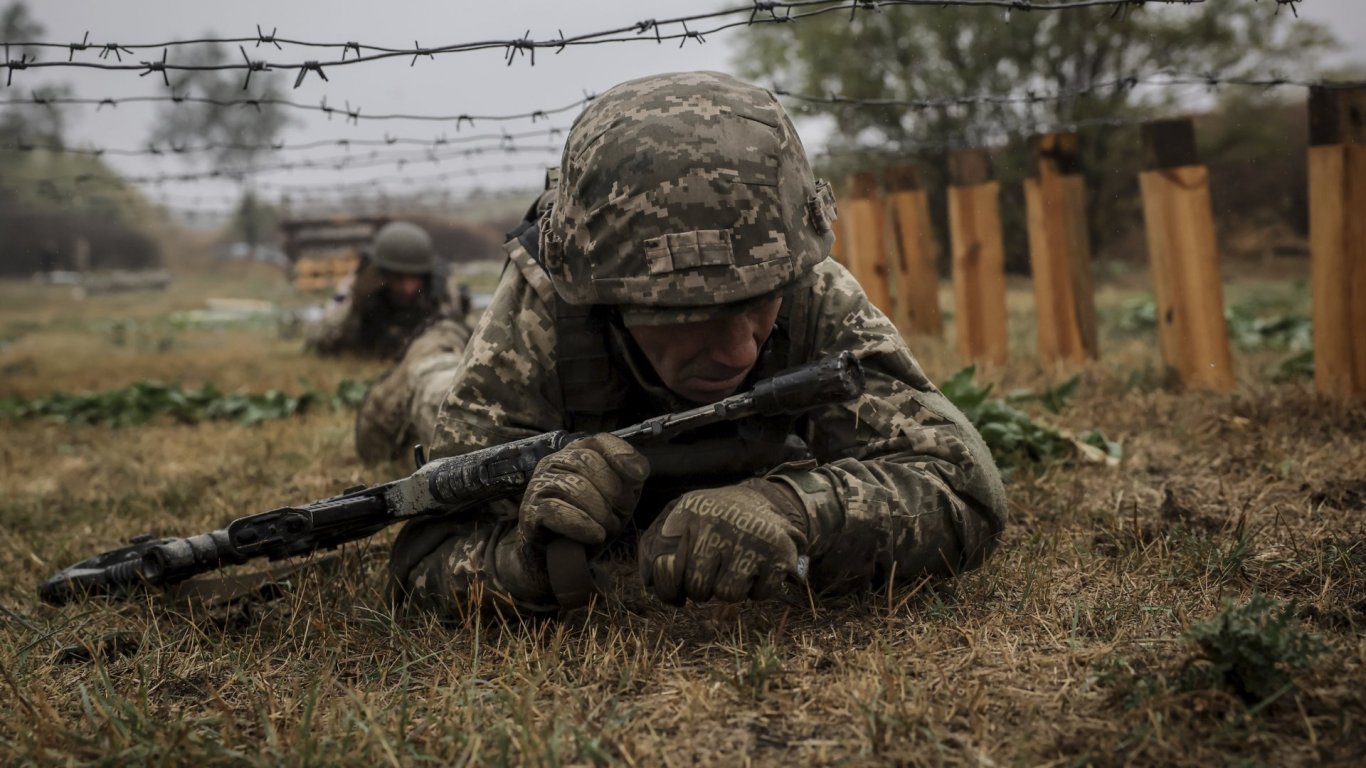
(1014, 438)
(144, 401)
(1253, 649)
(1054, 398)
(1137, 315)
(1257, 323)
(1250, 328)
(1297, 366)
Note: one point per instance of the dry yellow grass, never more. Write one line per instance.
(1063, 650)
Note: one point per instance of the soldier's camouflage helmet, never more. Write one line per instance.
(681, 197)
(401, 246)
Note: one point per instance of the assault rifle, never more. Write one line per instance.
(441, 487)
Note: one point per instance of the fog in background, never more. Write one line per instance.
(479, 82)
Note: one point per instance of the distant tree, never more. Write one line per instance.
(18, 25)
(942, 53)
(254, 219)
(30, 124)
(242, 134)
(44, 212)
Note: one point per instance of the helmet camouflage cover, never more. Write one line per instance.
(402, 246)
(681, 197)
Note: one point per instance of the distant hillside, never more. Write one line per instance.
(67, 211)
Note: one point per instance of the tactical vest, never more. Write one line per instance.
(597, 391)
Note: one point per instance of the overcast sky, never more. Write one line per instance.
(473, 83)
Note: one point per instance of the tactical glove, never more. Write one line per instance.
(728, 543)
(437, 562)
(585, 492)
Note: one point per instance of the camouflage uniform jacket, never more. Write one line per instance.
(362, 321)
(901, 484)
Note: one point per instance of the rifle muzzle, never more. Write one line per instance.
(175, 560)
(835, 379)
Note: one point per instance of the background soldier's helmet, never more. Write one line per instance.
(681, 197)
(401, 246)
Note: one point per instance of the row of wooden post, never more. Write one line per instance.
(889, 246)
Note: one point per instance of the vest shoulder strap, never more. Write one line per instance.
(521, 249)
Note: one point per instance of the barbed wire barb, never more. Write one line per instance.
(10, 64)
(158, 66)
(114, 48)
(81, 46)
(309, 66)
(264, 38)
(417, 51)
(522, 46)
(1294, 11)
(252, 66)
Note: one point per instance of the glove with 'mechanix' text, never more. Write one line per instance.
(733, 543)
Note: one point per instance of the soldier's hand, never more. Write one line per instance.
(585, 492)
(729, 543)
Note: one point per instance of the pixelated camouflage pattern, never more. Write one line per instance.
(455, 566)
(901, 486)
(680, 192)
(360, 320)
(400, 408)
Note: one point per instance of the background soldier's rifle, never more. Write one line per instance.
(441, 487)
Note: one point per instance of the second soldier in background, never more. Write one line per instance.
(396, 290)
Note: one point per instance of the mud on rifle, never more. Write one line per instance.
(441, 487)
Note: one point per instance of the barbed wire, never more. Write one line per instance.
(349, 113)
(343, 163)
(158, 179)
(440, 201)
(902, 150)
(407, 180)
(306, 195)
(646, 30)
(504, 141)
(355, 114)
(348, 163)
(1030, 96)
(268, 195)
(649, 25)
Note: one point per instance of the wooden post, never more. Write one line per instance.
(1337, 239)
(1185, 259)
(917, 275)
(1060, 251)
(865, 248)
(979, 278)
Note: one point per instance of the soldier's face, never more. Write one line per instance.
(707, 360)
(402, 289)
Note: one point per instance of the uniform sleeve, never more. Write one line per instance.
(505, 387)
(338, 329)
(904, 486)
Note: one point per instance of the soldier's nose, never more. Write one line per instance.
(734, 345)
